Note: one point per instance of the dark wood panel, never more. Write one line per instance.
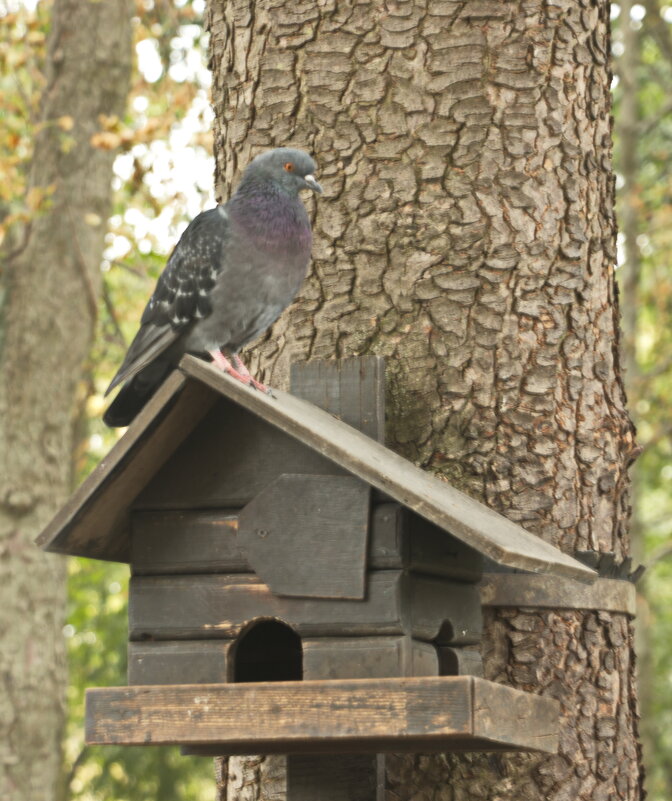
(306, 535)
(441, 610)
(465, 661)
(208, 661)
(368, 657)
(401, 538)
(190, 662)
(228, 460)
(417, 715)
(181, 541)
(385, 657)
(214, 606)
(353, 390)
(206, 541)
(211, 606)
(331, 777)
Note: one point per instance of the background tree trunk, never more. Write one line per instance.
(49, 296)
(467, 233)
(629, 130)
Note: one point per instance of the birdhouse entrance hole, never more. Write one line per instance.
(268, 650)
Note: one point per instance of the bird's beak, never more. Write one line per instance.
(312, 183)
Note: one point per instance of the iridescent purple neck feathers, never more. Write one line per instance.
(271, 217)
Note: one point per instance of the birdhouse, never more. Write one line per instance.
(296, 587)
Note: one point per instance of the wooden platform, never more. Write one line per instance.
(414, 715)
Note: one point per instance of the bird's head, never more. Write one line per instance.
(292, 169)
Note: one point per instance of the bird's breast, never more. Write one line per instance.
(272, 226)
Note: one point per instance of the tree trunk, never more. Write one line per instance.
(50, 292)
(467, 233)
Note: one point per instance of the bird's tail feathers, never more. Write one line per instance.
(135, 393)
(149, 342)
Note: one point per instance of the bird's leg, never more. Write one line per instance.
(239, 372)
(240, 367)
(225, 366)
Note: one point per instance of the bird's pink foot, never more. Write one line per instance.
(239, 371)
(240, 367)
(226, 367)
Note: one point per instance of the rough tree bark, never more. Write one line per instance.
(49, 297)
(467, 233)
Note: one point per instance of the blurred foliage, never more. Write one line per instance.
(168, 121)
(649, 383)
(22, 54)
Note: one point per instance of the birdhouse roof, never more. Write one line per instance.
(95, 520)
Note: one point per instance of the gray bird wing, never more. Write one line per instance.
(182, 293)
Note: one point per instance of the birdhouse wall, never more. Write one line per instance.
(230, 457)
(192, 584)
(244, 523)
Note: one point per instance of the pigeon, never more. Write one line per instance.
(233, 271)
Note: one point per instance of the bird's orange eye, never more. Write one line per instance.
(289, 166)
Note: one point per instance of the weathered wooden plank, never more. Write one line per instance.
(402, 539)
(306, 536)
(212, 606)
(281, 713)
(215, 606)
(353, 390)
(468, 520)
(328, 777)
(368, 657)
(228, 460)
(416, 714)
(510, 716)
(94, 521)
(557, 592)
(181, 541)
(187, 662)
